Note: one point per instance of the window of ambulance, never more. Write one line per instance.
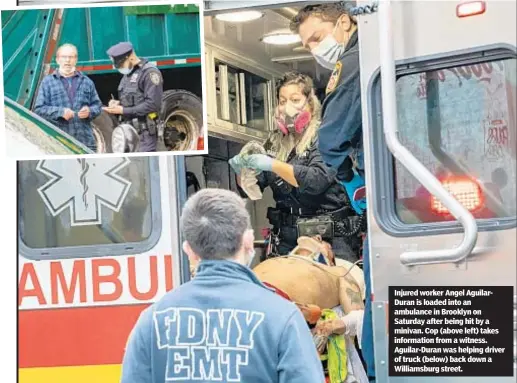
(460, 124)
(88, 207)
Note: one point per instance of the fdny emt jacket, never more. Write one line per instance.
(222, 326)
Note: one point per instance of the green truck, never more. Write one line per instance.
(167, 35)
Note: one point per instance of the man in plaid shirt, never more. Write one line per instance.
(68, 99)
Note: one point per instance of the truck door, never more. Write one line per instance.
(446, 112)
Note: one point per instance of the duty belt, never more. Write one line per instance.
(141, 119)
(143, 123)
(303, 212)
(297, 211)
(288, 216)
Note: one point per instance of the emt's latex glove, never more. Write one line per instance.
(356, 191)
(354, 324)
(258, 162)
(236, 163)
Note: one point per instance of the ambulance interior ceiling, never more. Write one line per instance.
(244, 40)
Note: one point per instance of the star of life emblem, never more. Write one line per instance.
(84, 186)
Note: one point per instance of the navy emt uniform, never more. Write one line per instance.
(140, 93)
(340, 133)
(341, 147)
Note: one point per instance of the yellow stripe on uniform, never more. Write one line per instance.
(107, 373)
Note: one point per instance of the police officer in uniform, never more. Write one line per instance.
(140, 93)
(330, 32)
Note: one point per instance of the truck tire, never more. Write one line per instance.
(103, 127)
(182, 113)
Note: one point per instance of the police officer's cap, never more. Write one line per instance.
(120, 52)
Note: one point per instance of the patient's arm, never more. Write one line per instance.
(350, 295)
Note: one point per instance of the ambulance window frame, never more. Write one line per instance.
(102, 250)
(225, 58)
(383, 176)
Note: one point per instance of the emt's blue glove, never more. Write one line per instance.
(356, 191)
(236, 163)
(260, 162)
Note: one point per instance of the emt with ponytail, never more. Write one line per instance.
(303, 187)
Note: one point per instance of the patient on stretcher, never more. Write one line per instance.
(330, 293)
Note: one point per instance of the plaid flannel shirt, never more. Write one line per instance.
(53, 98)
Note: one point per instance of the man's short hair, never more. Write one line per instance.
(213, 222)
(67, 45)
(326, 11)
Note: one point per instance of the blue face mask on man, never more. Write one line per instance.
(124, 71)
(328, 51)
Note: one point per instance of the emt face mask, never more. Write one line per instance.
(328, 51)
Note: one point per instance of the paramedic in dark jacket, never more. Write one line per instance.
(140, 92)
(303, 187)
(331, 34)
(224, 325)
(68, 99)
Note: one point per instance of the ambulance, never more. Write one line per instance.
(99, 240)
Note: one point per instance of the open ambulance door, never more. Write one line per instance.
(98, 242)
(438, 95)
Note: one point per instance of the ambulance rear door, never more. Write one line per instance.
(448, 114)
(98, 242)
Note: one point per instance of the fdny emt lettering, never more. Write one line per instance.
(206, 345)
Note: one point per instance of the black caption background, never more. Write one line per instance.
(497, 308)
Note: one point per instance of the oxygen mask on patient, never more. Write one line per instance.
(249, 176)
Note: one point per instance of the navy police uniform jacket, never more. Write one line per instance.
(141, 91)
(340, 133)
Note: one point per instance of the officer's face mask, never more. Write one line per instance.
(293, 117)
(124, 71)
(328, 51)
(124, 67)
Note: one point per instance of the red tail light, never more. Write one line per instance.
(465, 190)
(200, 143)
